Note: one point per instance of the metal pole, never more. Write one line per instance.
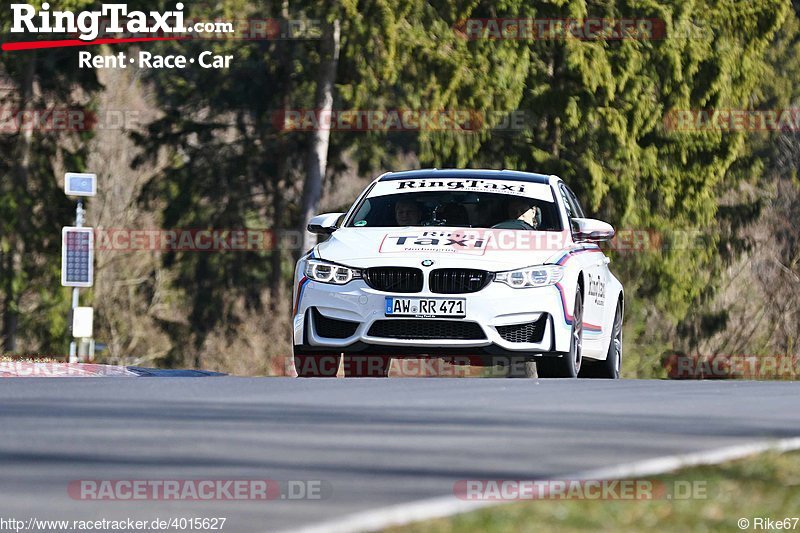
(73, 348)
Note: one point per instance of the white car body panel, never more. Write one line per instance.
(495, 305)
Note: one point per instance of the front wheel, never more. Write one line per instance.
(609, 369)
(567, 365)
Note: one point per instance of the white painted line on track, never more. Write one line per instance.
(443, 506)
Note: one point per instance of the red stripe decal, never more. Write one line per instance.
(38, 45)
(300, 287)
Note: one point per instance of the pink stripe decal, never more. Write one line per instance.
(568, 255)
(591, 328)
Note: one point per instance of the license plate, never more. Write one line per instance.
(426, 307)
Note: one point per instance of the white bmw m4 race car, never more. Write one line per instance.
(479, 267)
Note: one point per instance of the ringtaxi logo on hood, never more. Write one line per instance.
(471, 243)
(115, 19)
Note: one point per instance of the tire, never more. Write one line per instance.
(315, 365)
(367, 366)
(568, 365)
(609, 369)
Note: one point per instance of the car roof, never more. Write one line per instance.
(516, 175)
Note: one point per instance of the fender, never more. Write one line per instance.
(616, 289)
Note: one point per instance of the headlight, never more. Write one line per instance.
(326, 272)
(538, 276)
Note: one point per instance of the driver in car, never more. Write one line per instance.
(407, 213)
(521, 209)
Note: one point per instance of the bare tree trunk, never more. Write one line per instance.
(10, 313)
(555, 122)
(279, 222)
(318, 150)
(13, 260)
(276, 259)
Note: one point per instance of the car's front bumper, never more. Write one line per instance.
(496, 306)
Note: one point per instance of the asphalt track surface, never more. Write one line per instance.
(373, 443)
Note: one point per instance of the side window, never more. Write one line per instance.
(362, 199)
(576, 207)
(567, 203)
(571, 202)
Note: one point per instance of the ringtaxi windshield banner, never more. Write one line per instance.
(511, 187)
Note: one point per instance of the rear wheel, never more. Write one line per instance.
(367, 366)
(609, 369)
(567, 365)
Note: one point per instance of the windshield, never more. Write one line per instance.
(457, 209)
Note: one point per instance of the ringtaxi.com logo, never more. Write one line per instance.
(87, 24)
(116, 20)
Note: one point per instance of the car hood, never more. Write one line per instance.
(492, 250)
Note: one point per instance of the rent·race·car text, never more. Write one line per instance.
(148, 60)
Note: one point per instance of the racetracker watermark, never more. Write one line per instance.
(198, 489)
(196, 240)
(479, 242)
(575, 489)
(423, 239)
(365, 120)
(728, 120)
(458, 366)
(546, 29)
(52, 369)
(731, 366)
(251, 29)
(630, 240)
(67, 119)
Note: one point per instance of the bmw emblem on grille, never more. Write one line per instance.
(427, 263)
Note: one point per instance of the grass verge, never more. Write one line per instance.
(763, 486)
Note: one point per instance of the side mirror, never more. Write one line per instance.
(589, 229)
(325, 224)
